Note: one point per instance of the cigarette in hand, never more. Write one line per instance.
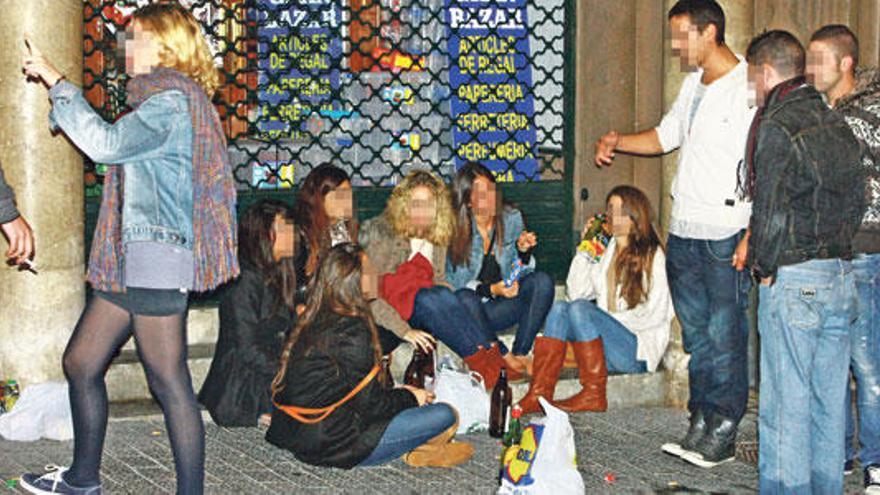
(30, 265)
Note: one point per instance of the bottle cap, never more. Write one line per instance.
(516, 412)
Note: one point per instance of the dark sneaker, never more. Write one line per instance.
(53, 482)
(849, 467)
(717, 446)
(695, 433)
(872, 479)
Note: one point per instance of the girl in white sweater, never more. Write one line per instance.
(618, 312)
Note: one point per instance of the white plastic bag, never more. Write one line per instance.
(42, 411)
(545, 461)
(465, 392)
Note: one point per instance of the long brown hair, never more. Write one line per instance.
(632, 271)
(336, 288)
(311, 213)
(462, 187)
(256, 238)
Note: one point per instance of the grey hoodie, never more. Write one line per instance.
(8, 211)
(861, 108)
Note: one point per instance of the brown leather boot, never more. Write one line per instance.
(593, 377)
(440, 451)
(488, 363)
(570, 360)
(549, 355)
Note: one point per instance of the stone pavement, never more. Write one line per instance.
(623, 442)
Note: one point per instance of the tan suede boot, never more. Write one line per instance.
(440, 451)
(593, 377)
(549, 354)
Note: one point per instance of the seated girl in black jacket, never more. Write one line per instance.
(256, 314)
(332, 406)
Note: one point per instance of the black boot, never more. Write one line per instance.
(717, 446)
(695, 433)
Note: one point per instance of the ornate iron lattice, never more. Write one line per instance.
(376, 87)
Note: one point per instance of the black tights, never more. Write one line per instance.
(161, 344)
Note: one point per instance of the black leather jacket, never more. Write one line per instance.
(808, 199)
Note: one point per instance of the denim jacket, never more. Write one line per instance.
(153, 145)
(466, 276)
(808, 200)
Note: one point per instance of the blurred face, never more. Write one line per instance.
(760, 83)
(141, 50)
(483, 197)
(284, 238)
(621, 224)
(688, 44)
(824, 70)
(369, 279)
(422, 207)
(338, 204)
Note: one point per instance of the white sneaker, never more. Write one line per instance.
(673, 448)
(872, 479)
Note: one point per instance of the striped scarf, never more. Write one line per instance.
(214, 220)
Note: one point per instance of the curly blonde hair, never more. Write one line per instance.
(397, 210)
(184, 47)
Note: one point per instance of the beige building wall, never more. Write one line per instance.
(627, 78)
(38, 312)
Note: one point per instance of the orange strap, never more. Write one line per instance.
(300, 413)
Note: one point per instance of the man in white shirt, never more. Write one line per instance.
(706, 251)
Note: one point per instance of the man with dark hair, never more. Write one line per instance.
(701, 13)
(840, 40)
(802, 166)
(832, 67)
(14, 227)
(706, 250)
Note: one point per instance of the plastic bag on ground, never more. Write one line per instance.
(545, 461)
(465, 392)
(42, 411)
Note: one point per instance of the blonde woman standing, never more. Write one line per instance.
(152, 244)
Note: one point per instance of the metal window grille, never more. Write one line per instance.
(376, 87)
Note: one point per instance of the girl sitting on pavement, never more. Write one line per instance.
(257, 312)
(333, 407)
(490, 237)
(626, 329)
(407, 243)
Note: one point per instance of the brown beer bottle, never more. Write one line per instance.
(426, 366)
(413, 375)
(501, 398)
(388, 382)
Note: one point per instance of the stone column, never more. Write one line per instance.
(38, 312)
(740, 26)
(869, 32)
(606, 55)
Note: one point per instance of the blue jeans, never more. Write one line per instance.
(410, 429)
(710, 299)
(804, 321)
(438, 311)
(865, 365)
(583, 321)
(527, 311)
